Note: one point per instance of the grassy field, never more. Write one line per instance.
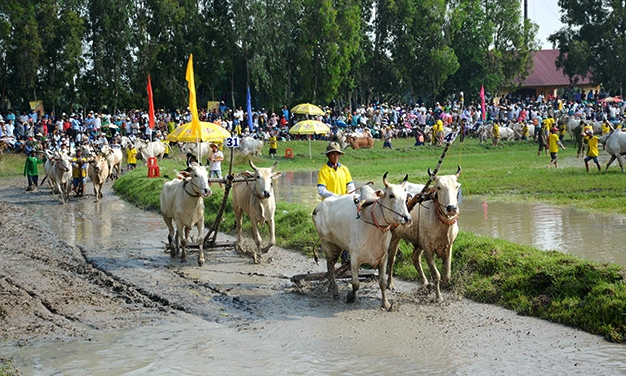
(549, 285)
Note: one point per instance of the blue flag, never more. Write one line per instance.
(249, 109)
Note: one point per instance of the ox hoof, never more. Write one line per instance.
(257, 259)
(351, 298)
(200, 262)
(386, 306)
(173, 252)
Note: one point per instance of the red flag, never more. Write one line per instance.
(150, 105)
(482, 101)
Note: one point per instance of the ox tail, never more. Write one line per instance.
(42, 180)
(315, 257)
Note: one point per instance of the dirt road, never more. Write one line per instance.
(86, 288)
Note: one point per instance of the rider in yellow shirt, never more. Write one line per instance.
(273, 143)
(334, 178)
(553, 146)
(592, 151)
(131, 158)
(606, 128)
(496, 134)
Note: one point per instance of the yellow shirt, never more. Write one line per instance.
(553, 143)
(131, 156)
(79, 170)
(593, 147)
(605, 128)
(166, 143)
(496, 131)
(335, 180)
(273, 142)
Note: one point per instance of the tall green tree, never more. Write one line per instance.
(22, 50)
(593, 41)
(421, 45)
(493, 43)
(61, 29)
(319, 62)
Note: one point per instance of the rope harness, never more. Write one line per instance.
(441, 214)
(192, 186)
(253, 190)
(375, 222)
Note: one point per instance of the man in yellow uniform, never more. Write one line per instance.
(79, 173)
(335, 179)
(496, 133)
(553, 146)
(592, 151)
(273, 143)
(606, 128)
(131, 158)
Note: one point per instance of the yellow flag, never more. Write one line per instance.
(195, 121)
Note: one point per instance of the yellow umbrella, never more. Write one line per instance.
(309, 127)
(209, 132)
(307, 109)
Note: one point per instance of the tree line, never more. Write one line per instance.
(96, 54)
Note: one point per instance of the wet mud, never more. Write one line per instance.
(87, 288)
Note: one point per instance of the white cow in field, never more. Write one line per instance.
(506, 134)
(182, 201)
(250, 146)
(49, 168)
(365, 236)
(149, 149)
(432, 231)
(256, 199)
(192, 148)
(114, 158)
(98, 172)
(615, 144)
(63, 176)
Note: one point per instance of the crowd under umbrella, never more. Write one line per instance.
(309, 127)
(209, 132)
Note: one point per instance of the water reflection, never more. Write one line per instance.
(596, 237)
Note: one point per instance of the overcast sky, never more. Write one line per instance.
(546, 14)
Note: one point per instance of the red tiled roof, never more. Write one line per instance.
(544, 71)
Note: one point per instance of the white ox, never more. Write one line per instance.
(256, 199)
(615, 144)
(114, 159)
(63, 176)
(182, 201)
(98, 172)
(366, 236)
(205, 149)
(250, 146)
(49, 167)
(432, 232)
(146, 150)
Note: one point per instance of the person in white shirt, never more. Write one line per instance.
(216, 163)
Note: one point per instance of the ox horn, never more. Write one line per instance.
(274, 165)
(385, 179)
(458, 171)
(252, 164)
(430, 173)
(406, 178)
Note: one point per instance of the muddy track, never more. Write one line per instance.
(96, 278)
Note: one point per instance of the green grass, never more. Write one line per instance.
(549, 285)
